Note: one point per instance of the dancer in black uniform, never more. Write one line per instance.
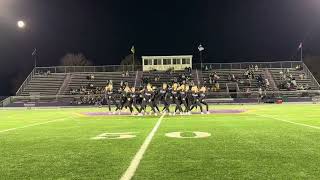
(184, 98)
(135, 95)
(202, 97)
(120, 100)
(195, 99)
(161, 96)
(168, 98)
(155, 100)
(147, 94)
(128, 99)
(109, 96)
(176, 98)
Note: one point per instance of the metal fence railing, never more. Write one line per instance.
(66, 99)
(25, 83)
(309, 74)
(244, 65)
(72, 69)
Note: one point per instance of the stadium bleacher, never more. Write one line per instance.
(44, 84)
(61, 83)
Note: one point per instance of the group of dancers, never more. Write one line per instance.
(183, 97)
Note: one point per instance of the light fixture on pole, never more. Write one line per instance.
(34, 55)
(200, 48)
(133, 50)
(21, 24)
(301, 51)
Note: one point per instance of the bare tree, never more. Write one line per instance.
(71, 59)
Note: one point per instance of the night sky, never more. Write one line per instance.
(105, 30)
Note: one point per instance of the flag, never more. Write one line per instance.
(133, 50)
(34, 53)
(300, 45)
(201, 48)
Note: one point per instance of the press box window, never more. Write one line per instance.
(176, 61)
(166, 61)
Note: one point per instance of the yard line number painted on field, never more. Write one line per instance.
(124, 135)
(196, 135)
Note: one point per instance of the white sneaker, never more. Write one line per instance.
(208, 112)
(155, 114)
(189, 113)
(202, 112)
(140, 114)
(174, 114)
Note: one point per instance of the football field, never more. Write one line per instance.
(258, 142)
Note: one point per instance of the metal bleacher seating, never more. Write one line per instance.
(44, 84)
(100, 80)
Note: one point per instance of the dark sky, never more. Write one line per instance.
(105, 30)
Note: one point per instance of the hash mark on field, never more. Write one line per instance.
(139, 155)
(31, 125)
(300, 124)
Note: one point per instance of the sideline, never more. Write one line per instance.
(31, 125)
(291, 122)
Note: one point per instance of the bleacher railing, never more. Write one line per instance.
(309, 74)
(66, 99)
(244, 65)
(26, 81)
(75, 69)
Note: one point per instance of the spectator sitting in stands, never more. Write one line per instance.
(216, 87)
(294, 82)
(300, 87)
(127, 74)
(215, 76)
(229, 77)
(299, 68)
(247, 92)
(123, 74)
(256, 68)
(267, 83)
(259, 80)
(233, 78)
(302, 76)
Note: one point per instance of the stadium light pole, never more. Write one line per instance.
(133, 50)
(22, 25)
(200, 48)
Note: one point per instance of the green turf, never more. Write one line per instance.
(251, 145)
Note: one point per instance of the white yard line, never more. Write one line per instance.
(139, 155)
(291, 122)
(31, 125)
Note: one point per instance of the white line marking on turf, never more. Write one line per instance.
(300, 124)
(139, 155)
(31, 125)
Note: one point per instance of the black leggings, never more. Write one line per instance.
(110, 101)
(202, 101)
(146, 103)
(196, 103)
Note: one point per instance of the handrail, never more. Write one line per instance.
(129, 67)
(27, 80)
(209, 93)
(309, 74)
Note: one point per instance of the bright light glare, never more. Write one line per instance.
(21, 24)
